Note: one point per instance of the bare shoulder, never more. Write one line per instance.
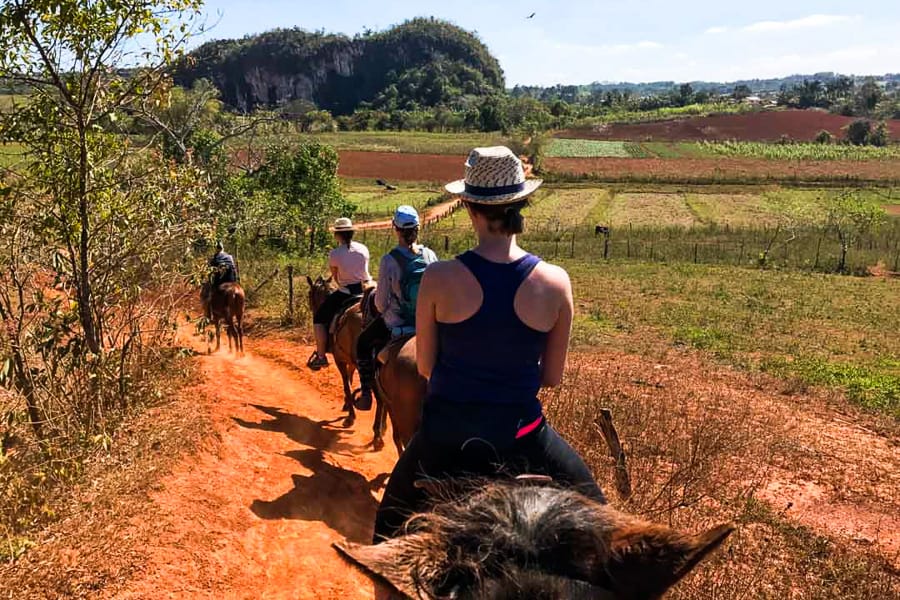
(444, 270)
(553, 276)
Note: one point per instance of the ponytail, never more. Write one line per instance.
(503, 218)
(409, 235)
(346, 237)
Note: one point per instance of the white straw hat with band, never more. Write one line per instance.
(342, 224)
(493, 176)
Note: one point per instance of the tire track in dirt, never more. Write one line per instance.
(255, 512)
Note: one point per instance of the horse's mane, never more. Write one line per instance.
(502, 530)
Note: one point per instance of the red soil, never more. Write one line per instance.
(392, 166)
(435, 167)
(255, 513)
(690, 169)
(800, 125)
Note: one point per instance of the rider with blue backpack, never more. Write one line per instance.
(399, 274)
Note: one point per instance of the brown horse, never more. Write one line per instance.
(343, 347)
(226, 303)
(400, 390)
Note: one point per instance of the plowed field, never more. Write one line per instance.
(799, 125)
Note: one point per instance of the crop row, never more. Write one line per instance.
(799, 151)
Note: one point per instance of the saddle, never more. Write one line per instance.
(349, 304)
(392, 348)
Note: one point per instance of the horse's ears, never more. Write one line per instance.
(652, 558)
(309, 280)
(388, 561)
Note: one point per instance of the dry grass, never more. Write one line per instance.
(640, 209)
(732, 210)
(703, 446)
(84, 543)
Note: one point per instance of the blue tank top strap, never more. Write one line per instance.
(499, 281)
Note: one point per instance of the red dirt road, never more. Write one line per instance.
(255, 515)
(799, 125)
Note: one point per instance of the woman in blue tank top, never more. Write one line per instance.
(492, 329)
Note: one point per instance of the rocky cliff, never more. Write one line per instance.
(423, 62)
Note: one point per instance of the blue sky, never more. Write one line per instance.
(580, 41)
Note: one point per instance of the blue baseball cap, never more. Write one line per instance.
(406, 217)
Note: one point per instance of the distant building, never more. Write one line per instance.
(754, 100)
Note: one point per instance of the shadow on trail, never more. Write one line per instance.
(303, 430)
(340, 498)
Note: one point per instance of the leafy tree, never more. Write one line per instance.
(302, 191)
(851, 216)
(741, 91)
(858, 132)
(91, 220)
(684, 94)
(868, 96)
(880, 136)
(492, 115)
(824, 137)
(65, 51)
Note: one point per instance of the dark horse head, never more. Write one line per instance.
(318, 291)
(505, 540)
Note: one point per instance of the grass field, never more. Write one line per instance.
(376, 203)
(565, 148)
(822, 329)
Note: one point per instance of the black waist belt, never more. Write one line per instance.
(355, 289)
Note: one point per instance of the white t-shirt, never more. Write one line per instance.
(352, 264)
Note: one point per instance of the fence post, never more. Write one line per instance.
(741, 259)
(446, 244)
(695, 253)
(573, 244)
(606, 247)
(628, 247)
(818, 247)
(290, 272)
(651, 251)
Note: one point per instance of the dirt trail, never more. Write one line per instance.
(254, 515)
(432, 214)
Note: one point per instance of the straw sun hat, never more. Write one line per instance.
(493, 176)
(342, 224)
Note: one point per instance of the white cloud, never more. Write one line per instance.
(810, 22)
(716, 30)
(608, 49)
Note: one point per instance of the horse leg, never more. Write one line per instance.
(218, 334)
(378, 425)
(346, 373)
(240, 335)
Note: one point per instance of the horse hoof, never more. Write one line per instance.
(378, 444)
(349, 421)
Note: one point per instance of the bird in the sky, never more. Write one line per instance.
(531, 16)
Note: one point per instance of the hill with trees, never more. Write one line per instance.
(420, 63)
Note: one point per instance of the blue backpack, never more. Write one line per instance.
(411, 269)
